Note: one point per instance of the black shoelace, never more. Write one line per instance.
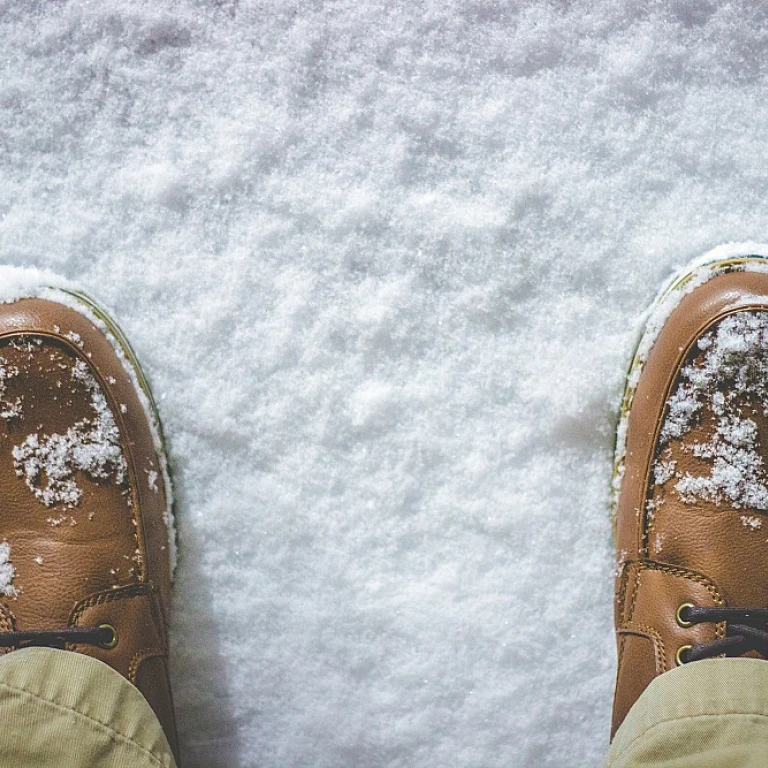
(103, 636)
(746, 630)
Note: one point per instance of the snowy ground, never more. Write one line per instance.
(383, 262)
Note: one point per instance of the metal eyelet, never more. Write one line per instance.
(110, 643)
(679, 655)
(680, 619)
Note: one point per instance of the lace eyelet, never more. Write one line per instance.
(683, 649)
(110, 644)
(681, 622)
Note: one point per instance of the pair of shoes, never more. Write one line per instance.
(86, 534)
(691, 476)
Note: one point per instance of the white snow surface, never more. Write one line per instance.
(384, 264)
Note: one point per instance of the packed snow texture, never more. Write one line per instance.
(48, 463)
(726, 379)
(384, 264)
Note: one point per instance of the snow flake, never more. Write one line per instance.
(663, 471)
(752, 521)
(75, 338)
(92, 445)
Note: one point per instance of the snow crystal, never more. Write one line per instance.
(731, 375)
(663, 471)
(74, 338)
(47, 463)
(152, 481)
(7, 571)
(752, 521)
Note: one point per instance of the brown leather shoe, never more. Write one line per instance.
(85, 530)
(691, 476)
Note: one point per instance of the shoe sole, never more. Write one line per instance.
(730, 258)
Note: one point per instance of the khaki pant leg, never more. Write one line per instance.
(60, 709)
(707, 714)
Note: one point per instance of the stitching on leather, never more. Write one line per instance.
(659, 649)
(624, 579)
(622, 643)
(123, 593)
(635, 587)
(139, 657)
(681, 572)
(684, 573)
(116, 734)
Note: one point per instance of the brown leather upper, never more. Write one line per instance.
(682, 551)
(100, 556)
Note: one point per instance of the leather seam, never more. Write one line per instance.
(140, 656)
(682, 573)
(624, 578)
(622, 644)
(659, 649)
(123, 593)
(633, 599)
(115, 734)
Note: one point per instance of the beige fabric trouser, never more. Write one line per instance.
(60, 709)
(708, 714)
(64, 710)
